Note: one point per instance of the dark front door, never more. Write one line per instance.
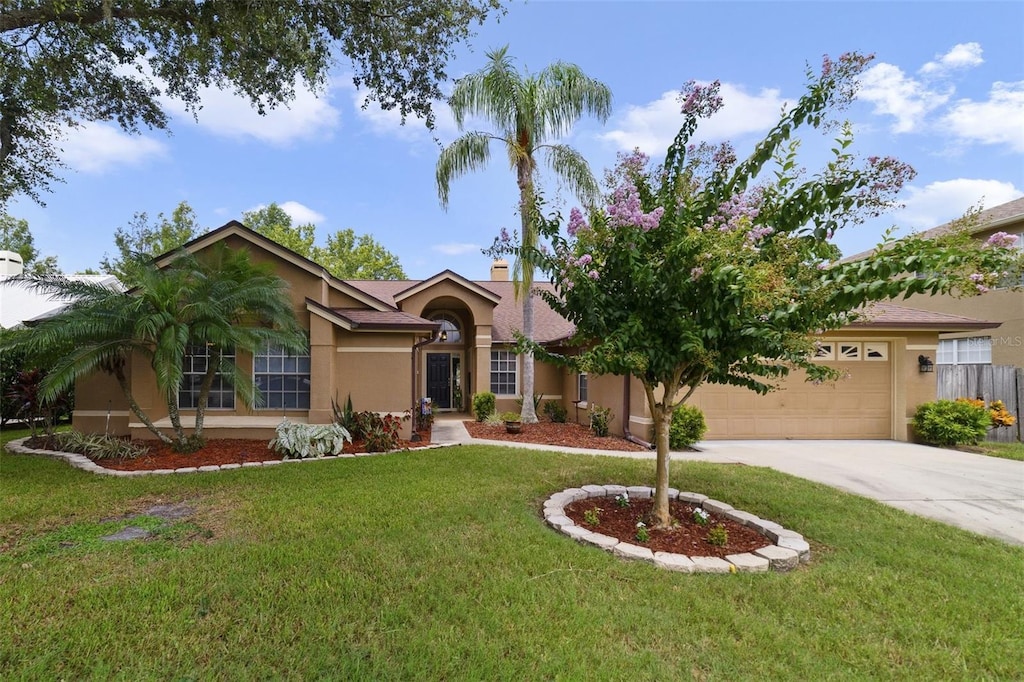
(439, 380)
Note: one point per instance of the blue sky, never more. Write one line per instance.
(945, 94)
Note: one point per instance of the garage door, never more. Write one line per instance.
(857, 406)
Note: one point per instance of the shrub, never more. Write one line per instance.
(98, 446)
(304, 441)
(600, 418)
(555, 411)
(537, 397)
(379, 432)
(509, 416)
(687, 427)
(718, 536)
(1000, 415)
(344, 417)
(483, 405)
(951, 422)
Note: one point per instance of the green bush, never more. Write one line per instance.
(951, 422)
(600, 418)
(483, 405)
(687, 427)
(555, 411)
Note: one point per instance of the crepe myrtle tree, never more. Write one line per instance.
(704, 269)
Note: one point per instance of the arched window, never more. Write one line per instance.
(450, 331)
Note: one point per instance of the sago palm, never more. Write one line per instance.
(219, 299)
(528, 112)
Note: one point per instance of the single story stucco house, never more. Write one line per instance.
(390, 343)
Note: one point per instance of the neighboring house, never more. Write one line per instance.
(390, 343)
(1002, 346)
(18, 304)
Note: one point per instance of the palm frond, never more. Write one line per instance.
(467, 153)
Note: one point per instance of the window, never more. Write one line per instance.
(222, 392)
(824, 350)
(449, 332)
(282, 378)
(976, 350)
(503, 372)
(581, 387)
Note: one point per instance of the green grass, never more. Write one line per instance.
(436, 565)
(1004, 450)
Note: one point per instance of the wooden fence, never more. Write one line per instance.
(989, 382)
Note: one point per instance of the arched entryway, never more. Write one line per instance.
(444, 362)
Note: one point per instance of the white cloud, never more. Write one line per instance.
(962, 56)
(653, 126)
(97, 147)
(299, 213)
(456, 249)
(227, 114)
(389, 122)
(999, 120)
(939, 202)
(302, 214)
(898, 95)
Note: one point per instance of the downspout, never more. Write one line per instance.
(415, 354)
(625, 418)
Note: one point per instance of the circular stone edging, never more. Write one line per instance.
(786, 548)
(85, 464)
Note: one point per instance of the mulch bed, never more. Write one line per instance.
(217, 451)
(550, 433)
(687, 537)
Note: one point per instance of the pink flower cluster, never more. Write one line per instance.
(576, 222)
(625, 210)
(978, 280)
(736, 211)
(1002, 239)
(700, 100)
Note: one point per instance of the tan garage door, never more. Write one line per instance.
(859, 406)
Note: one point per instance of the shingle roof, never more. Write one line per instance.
(885, 314)
(382, 319)
(548, 325)
(986, 220)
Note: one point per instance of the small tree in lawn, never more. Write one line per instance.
(705, 270)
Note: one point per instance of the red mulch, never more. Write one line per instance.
(688, 537)
(549, 433)
(216, 451)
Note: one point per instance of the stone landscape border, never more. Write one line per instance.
(784, 550)
(85, 464)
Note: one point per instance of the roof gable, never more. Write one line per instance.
(237, 229)
(448, 276)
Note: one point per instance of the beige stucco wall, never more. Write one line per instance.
(908, 388)
(1001, 305)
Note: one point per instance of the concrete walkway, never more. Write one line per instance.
(974, 492)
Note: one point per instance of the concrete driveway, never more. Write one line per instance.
(975, 492)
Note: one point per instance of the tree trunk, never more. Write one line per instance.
(529, 414)
(122, 381)
(212, 365)
(528, 241)
(662, 422)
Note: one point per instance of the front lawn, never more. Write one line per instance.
(436, 565)
(1004, 450)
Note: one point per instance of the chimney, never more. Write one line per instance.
(11, 264)
(499, 270)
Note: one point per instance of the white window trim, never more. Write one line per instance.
(309, 376)
(956, 343)
(518, 374)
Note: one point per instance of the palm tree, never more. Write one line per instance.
(219, 299)
(527, 112)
